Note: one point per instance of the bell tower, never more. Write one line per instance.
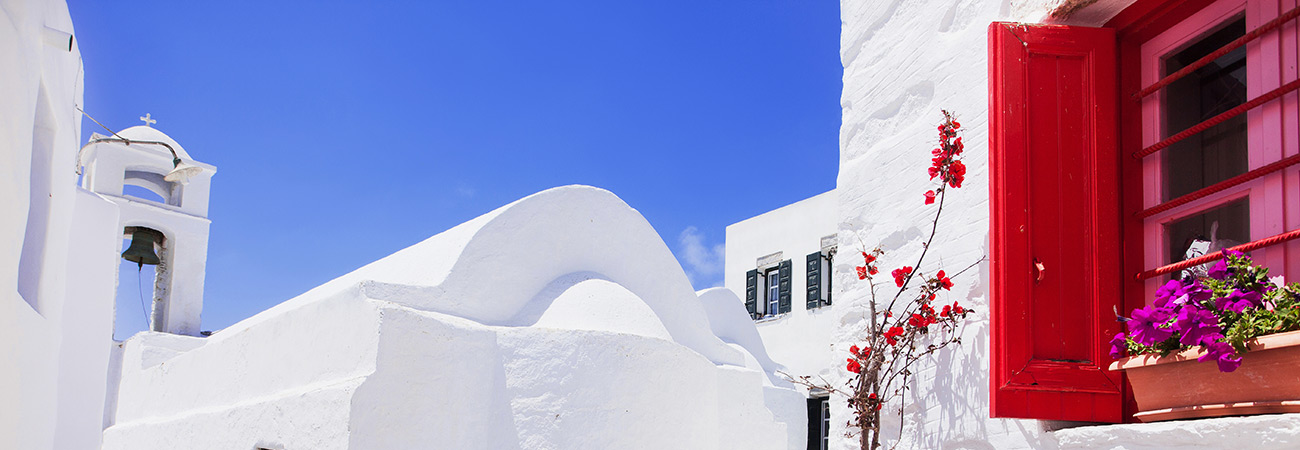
(162, 195)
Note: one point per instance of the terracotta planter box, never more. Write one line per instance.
(1179, 387)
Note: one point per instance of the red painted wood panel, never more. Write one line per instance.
(1054, 199)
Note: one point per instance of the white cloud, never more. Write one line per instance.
(704, 263)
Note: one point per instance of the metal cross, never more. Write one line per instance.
(148, 122)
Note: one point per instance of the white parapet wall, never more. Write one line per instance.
(529, 327)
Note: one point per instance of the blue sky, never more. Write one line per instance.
(344, 131)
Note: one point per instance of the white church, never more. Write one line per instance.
(485, 336)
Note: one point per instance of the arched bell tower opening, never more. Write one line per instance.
(138, 280)
(162, 195)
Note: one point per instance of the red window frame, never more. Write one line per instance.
(1025, 383)
(1271, 131)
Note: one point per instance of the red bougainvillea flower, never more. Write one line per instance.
(869, 258)
(900, 275)
(944, 281)
(956, 174)
(916, 321)
(872, 270)
(957, 309)
(891, 336)
(873, 396)
(854, 366)
(946, 310)
(861, 353)
(862, 272)
(929, 197)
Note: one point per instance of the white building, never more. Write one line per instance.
(485, 336)
(56, 312)
(904, 61)
(780, 264)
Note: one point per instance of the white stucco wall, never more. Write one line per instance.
(799, 340)
(904, 61)
(39, 126)
(87, 323)
(528, 327)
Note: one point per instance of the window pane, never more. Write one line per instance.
(826, 280)
(1225, 226)
(1218, 153)
(773, 291)
(826, 422)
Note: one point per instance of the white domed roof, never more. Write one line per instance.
(144, 133)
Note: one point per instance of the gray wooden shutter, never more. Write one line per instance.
(814, 280)
(751, 292)
(784, 286)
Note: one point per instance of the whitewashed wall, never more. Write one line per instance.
(799, 340)
(904, 61)
(40, 87)
(87, 322)
(526, 328)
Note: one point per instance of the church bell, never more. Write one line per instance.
(141, 249)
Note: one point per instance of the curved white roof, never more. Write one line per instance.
(499, 269)
(143, 133)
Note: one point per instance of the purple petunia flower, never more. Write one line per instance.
(1118, 346)
(1195, 292)
(1219, 271)
(1167, 292)
(1238, 301)
(1223, 354)
(1228, 362)
(1145, 326)
(1196, 326)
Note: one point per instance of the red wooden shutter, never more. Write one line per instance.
(1054, 199)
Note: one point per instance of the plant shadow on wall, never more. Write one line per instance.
(908, 327)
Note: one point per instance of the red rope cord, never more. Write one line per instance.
(1171, 140)
(1220, 186)
(1217, 255)
(1293, 13)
